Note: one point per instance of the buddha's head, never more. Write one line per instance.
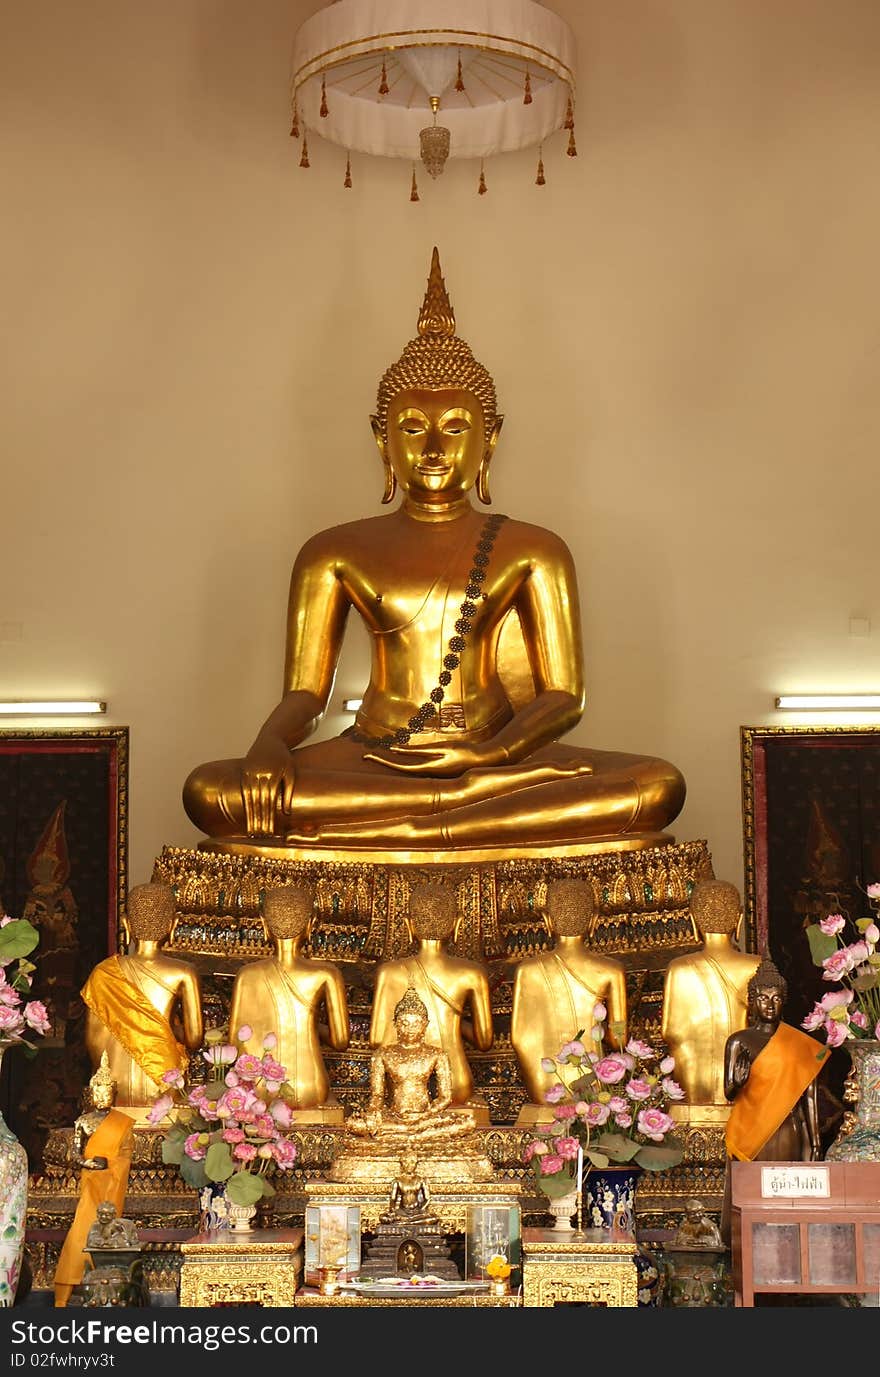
(410, 1018)
(436, 422)
(288, 910)
(766, 992)
(570, 907)
(101, 1089)
(716, 906)
(150, 912)
(433, 910)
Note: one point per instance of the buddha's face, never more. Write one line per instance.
(768, 1003)
(102, 1096)
(436, 441)
(410, 1028)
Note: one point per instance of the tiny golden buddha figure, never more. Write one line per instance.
(290, 995)
(410, 1109)
(454, 989)
(144, 1007)
(477, 665)
(556, 991)
(705, 1000)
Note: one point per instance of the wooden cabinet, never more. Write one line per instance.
(805, 1228)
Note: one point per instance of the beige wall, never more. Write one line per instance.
(682, 324)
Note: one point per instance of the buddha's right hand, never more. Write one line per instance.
(267, 785)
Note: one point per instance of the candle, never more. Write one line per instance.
(580, 1187)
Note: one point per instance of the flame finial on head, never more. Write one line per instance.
(437, 357)
(436, 317)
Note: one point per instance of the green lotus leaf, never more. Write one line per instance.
(193, 1173)
(822, 944)
(218, 1163)
(17, 939)
(245, 1188)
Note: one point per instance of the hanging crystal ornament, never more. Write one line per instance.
(414, 189)
(434, 143)
(482, 188)
(347, 180)
(304, 160)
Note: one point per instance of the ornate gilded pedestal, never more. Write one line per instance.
(259, 1268)
(586, 1268)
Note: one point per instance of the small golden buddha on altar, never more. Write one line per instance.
(410, 1111)
(477, 662)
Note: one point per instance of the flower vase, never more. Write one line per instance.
(13, 1210)
(241, 1217)
(862, 1142)
(610, 1202)
(562, 1210)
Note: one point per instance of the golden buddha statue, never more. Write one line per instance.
(705, 1000)
(287, 995)
(410, 1111)
(454, 989)
(101, 1148)
(556, 991)
(144, 1008)
(476, 660)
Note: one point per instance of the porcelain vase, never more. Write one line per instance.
(610, 1202)
(861, 1142)
(13, 1210)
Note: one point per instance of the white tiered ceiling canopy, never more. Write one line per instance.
(370, 75)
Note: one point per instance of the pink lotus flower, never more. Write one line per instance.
(270, 1041)
(232, 1135)
(248, 1067)
(281, 1113)
(638, 1088)
(654, 1124)
(245, 1033)
(173, 1077)
(196, 1147)
(36, 1016)
(567, 1148)
(611, 1069)
(160, 1108)
(835, 1032)
(637, 1048)
(244, 1152)
(569, 1051)
(672, 1089)
(284, 1153)
(565, 1111)
(551, 1163)
(833, 924)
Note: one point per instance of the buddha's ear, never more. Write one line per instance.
(483, 473)
(390, 480)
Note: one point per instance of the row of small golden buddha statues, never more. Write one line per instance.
(145, 1005)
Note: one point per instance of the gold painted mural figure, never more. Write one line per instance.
(476, 658)
(454, 989)
(288, 995)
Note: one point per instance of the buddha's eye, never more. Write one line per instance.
(457, 426)
(410, 425)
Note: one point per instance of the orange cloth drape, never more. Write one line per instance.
(132, 1019)
(111, 1139)
(780, 1073)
